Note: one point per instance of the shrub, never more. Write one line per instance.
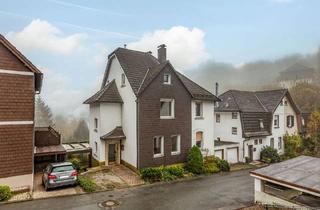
(248, 159)
(223, 165)
(5, 193)
(195, 161)
(176, 171)
(87, 184)
(151, 174)
(292, 145)
(167, 176)
(76, 163)
(269, 155)
(210, 168)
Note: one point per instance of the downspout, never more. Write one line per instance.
(137, 131)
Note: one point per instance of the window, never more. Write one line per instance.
(218, 118)
(276, 121)
(166, 108)
(281, 103)
(279, 143)
(261, 124)
(286, 103)
(290, 121)
(256, 142)
(175, 144)
(272, 142)
(167, 79)
(234, 131)
(198, 109)
(260, 141)
(123, 80)
(199, 139)
(234, 115)
(95, 147)
(95, 124)
(158, 146)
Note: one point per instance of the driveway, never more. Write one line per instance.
(228, 191)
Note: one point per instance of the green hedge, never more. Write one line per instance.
(223, 165)
(156, 174)
(195, 161)
(269, 155)
(5, 193)
(87, 184)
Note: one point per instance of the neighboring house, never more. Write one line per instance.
(148, 114)
(48, 147)
(293, 183)
(20, 80)
(296, 74)
(247, 121)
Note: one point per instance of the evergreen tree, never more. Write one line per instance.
(81, 133)
(43, 114)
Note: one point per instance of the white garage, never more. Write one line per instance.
(232, 155)
(219, 153)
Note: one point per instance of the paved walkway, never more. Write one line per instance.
(227, 191)
(127, 175)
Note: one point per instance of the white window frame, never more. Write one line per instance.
(276, 119)
(96, 147)
(169, 79)
(234, 115)
(201, 109)
(123, 80)
(178, 145)
(290, 123)
(236, 131)
(280, 143)
(161, 154)
(172, 108)
(95, 121)
(218, 114)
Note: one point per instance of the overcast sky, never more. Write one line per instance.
(70, 39)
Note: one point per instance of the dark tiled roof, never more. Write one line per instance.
(218, 143)
(141, 68)
(297, 71)
(108, 93)
(135, 64)
(251, 123)
(116, 133)
(236, 100)
(271, 98)
(196, 90)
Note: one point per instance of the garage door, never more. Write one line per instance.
(218, 153)
(232, 155)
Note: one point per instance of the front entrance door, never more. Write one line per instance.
(112, 153)
(250, 152)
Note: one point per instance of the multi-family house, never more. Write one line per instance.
(147, 113)
(20, 80)
(247, 121)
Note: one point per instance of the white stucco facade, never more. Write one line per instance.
(223, 130)
(204, 124)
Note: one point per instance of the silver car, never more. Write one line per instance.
(59, 174)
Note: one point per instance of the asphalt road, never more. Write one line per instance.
(227, 191)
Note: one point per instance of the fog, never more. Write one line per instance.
(256, 75)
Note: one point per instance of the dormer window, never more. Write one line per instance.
(261, 124)
(123, 80)
(167, 79)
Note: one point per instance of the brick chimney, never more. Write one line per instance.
(162, 53)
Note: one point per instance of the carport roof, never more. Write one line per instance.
(49, 150)
(301, 172)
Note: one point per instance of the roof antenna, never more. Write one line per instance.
(125, 46)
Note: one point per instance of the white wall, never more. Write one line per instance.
(94, 136)
(283, 111)
(205, 124)
(256, 147)
(129, 116)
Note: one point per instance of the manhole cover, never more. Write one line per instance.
(109, 204)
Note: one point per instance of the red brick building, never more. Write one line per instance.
(20, 80)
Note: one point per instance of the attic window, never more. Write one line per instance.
(285, 103)
(167, 79)
(261, 124)
(123, 80)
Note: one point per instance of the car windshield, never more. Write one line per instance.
(62, 168)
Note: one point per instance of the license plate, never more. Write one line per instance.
(64, 177)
